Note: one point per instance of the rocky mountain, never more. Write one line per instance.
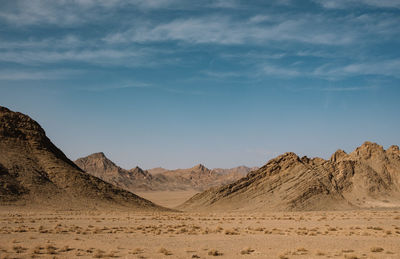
(367, 177)
(99, 165)
(34, 172)
(196, 178)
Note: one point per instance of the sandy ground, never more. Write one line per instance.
(72, 234)
(167, 198)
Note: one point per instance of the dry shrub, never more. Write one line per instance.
(377, 249)
(137, 251)
(164, 251)
(99, 254)
(38, 249)
(214, 252)
(247, 251)
(19, 249)
(51, 249)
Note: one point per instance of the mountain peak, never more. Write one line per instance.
(284, 158)
(18, 125)
(338, 155)
(98, 155)
(368, 149)
(393, 149)
(199, 167)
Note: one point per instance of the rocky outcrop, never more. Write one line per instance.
(367, 177)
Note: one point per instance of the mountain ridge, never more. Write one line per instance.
(367, 177)
(34, 172)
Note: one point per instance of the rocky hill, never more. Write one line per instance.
(367, 177)
(198, 178)
(33, 171)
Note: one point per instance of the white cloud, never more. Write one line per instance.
(342, 4)
(225, 30)
(71, 12)
(383, 68)
(18, 75)
(99, 57)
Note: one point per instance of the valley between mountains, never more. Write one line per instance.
(291, 207)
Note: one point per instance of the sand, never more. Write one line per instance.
(116, 234)
(167, 198)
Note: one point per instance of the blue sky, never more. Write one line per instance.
(174, 83)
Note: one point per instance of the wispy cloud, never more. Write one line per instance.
(104, 57)
(224, 30)
(346, 89)
(340, 4)
(70, 13)
(22, 75)
(384, 68)
(223, 74)
(116, 86)
(280, 71)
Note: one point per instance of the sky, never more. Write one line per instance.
(174, 83)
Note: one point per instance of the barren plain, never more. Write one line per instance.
(122, 234)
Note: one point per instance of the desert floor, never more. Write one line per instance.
(167, 198)
(99, 234)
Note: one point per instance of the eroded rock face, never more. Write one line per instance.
(33, 171)
(367, 177)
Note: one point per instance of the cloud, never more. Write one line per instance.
(332, 71)
(280, 71)
(111, 87)
(381, 68)
(342, 4)
(346, 89)
(224, 30)
(21, 75)
(71, 12)
(104, 57)
(223, 74)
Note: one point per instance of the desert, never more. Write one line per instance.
(122, 234)
(200, 129)
(351, 219)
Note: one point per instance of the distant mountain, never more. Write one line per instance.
(100, 166)
(157, 170)
(34, 172)
(196, 178)
(367, 177)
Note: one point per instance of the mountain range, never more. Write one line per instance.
(198, 178)
(34, 172)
